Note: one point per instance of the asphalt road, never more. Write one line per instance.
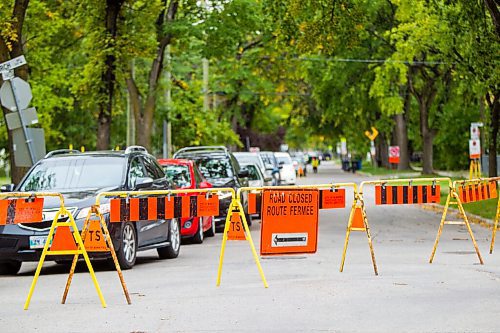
(306, 292)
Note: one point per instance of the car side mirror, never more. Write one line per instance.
(143, 182)
(205, 184)
(243, 173)
(281, 165)
(282, 162)
(7, 188)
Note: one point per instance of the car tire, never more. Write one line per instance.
(174, 236)
(198, 237)
(211, 232)
(10, 267)
(128, 248)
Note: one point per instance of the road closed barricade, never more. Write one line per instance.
(63, 237)
(289, 217)
(411, 191)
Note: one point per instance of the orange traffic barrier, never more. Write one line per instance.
(23, 210)
(477, 191)
(63, 237)
(406, 194)
(163, 207)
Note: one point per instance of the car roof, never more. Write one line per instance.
(176, 161)
(282, 154)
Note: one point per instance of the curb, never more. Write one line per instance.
(483, 222)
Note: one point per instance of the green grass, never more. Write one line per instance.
(4, 180)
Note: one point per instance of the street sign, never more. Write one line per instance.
(343, 146)
(289, 221)
(474, 131)
(12, 63)
(15, 91)
(394, 154)
(474, 149)
(373, 134)
(14, 118)
(21, 150)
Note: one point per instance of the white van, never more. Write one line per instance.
(287, 170)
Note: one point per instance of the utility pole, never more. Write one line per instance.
(130, 114)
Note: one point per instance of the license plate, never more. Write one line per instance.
(37, 242)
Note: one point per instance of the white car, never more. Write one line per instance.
(287, 170)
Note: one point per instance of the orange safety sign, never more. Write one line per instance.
(399, 194)
(24, 210)
(357, 220)
(63, 240)
(332, 198)
(289, 221)
(94, 238)
(478, 192)
(254, 202)
(154, 208)
(235, 231)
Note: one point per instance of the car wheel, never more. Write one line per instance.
(198, 237)
(171, 251)
(128, 249)
(211, 232)
(10, 267)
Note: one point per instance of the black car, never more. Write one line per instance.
(219, 166)
(80, 177)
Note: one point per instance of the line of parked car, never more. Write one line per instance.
(80, 177)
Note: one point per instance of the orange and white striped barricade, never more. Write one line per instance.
(63, 237)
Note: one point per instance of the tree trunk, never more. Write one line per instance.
(144, 114)
(492, 7)
(18, 15)
(382, 151)
(494, 105)
(113, 8)
(402, 141)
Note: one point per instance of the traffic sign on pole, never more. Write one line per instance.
(15, 94)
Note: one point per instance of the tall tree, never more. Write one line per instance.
(11, 46)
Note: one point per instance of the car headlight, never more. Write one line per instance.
(84, 212)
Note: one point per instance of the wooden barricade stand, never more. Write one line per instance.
(96, 238)
(63, 239)
(233, 230)
(497, 216)
(455, 197)
(358, 222)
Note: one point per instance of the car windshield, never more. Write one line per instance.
(178, 174)
(213, 168)
(284, 159)
(60, 174)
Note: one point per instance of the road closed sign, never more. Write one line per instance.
(289, 222)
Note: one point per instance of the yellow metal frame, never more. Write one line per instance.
(497, 216)
(475, 169)
(358, 202)
(453, 195)
(107, 238)
(80, 250)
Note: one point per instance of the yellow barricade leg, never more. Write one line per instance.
(109, 242)
(366, 228)
(80, 250)
(497, 215)
(235, 204)
(456, 198)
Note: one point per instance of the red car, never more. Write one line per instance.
(185, 175)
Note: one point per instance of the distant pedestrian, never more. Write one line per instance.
(315, 163)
